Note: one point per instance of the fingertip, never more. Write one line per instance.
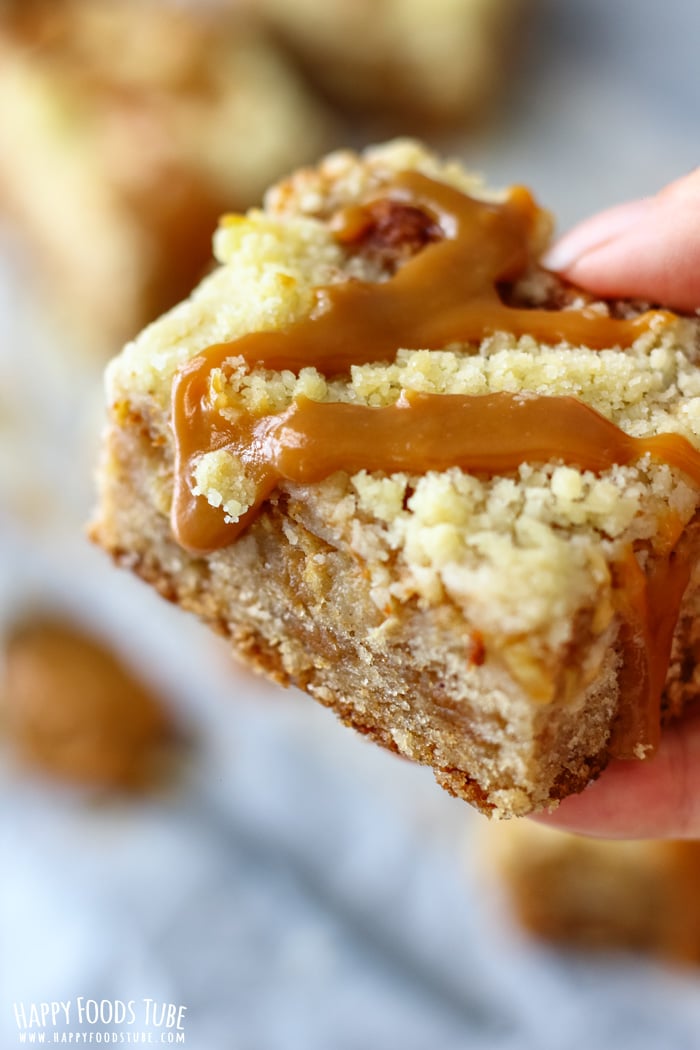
(655, 798)
(657, 259)
(592, 234)
(647, 249)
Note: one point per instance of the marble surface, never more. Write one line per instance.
(296, 887)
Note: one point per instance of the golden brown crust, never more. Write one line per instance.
(71, 709)
(299, 610)
(425, 63)
(597, 894)
(475, 624)
(136, 111)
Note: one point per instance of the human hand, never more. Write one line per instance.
(647, 249)
(656, 798)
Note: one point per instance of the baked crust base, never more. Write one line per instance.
(599, 894)
(299, 610)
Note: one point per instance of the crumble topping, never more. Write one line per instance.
(480, 542)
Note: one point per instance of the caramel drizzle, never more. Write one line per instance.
(648, 605)
(445, 294)
(487, 434)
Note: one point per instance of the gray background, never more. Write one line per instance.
(298, 888)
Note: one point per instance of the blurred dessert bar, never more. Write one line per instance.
(595, 893)
(126, 129)
(71, 709)
(411, 472)
(420, 62)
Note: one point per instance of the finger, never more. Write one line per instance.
(656, 798)
(658, 260)
(647, 249)
(595, 232)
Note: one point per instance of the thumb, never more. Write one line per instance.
(655, 798)
(646, 249)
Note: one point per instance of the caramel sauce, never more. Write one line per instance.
(447, 293)
(680, 933)
(648, 606)
(485, 434)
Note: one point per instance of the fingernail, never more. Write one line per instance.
(593, 233)
(564, 253)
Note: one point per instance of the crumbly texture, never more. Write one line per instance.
(425, 61)
(126, 130)
(594, 894)
(72, 710)
(467, 623)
